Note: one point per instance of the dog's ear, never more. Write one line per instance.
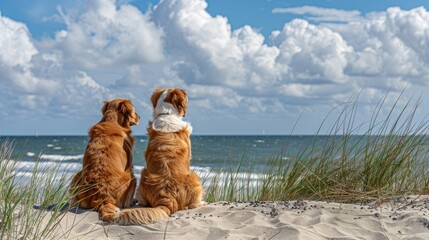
(155, 96)
(104, 108)
(178, 98)
(126, 107)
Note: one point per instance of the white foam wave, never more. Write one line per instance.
(199, 170)
(25, 171)
(30, 154)
(54, 157)
(22, 166)
(208, 175)
(50, 145)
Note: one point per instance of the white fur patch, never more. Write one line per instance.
(170, 123)
(163, 107)
(167, 118)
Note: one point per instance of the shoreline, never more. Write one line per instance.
(395, 218)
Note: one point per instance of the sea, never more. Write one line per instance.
(210, 154)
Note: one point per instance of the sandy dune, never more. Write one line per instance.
(398, 218)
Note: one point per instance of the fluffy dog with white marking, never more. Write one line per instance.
(167, 184)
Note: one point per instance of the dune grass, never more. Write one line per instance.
(389, 158)
(31, 204)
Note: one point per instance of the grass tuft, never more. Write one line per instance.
(390, 158)
(31, 203)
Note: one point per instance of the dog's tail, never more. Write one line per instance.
(142, 215)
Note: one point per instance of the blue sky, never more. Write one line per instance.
(249, 67)
(257, 14)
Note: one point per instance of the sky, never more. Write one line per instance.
(249, 67)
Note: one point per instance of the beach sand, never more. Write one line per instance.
(396, 218)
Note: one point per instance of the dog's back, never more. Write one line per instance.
(95, 170)
(168, 170)
(106, 180)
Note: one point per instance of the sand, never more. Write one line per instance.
(396, 218)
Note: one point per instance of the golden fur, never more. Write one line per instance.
(167, 185)
(106, 181)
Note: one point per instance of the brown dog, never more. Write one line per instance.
(106, 181)
(167, 185)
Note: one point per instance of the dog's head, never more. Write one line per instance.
(120, 110)
(169, 101)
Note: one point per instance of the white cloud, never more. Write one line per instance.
(322, 14)
(225, 97)
(227, 72)
(16, 54)
(383, 53)
(104, 35)
(16, 45)
(312, 53)
(80, 96)
(205, 51)
(194, 36)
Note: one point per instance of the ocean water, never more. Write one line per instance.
(210, 154)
